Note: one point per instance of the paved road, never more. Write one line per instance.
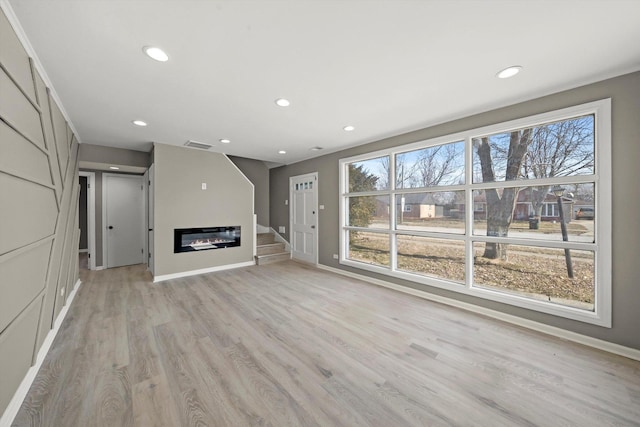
(586, 237)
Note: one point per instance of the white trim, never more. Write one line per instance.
(91, 217)
(163, 277)
(145, 218)
(22, 36)
(101, 267)
(602, 247)
(599, 344)
(18, 398)
(255, 235)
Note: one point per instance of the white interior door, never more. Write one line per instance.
(304, 213)
(124, 219)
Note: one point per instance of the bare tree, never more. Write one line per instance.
(500, 204)
(558, 149)
(383, 181)
(428, 167)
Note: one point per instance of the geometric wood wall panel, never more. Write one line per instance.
(14, 57)
(18, 111)
(28, 212)
(60, 132)
(43, 99)
(16, 351)
(38, 223)
(21, 157)
(23, 277)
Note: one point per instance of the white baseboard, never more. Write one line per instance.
(84, 251)
(163, 277)
(16, 401)
(262, 229)
(607, 346)
(100, 267)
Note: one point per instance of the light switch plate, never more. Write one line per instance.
(321, 207)
(281, 229)
(204, 185)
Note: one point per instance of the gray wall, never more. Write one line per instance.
(114, 156)
(624, 92)
(179, 202)
(258, 174)
(38, 212)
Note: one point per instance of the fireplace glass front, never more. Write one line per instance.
(201, 239)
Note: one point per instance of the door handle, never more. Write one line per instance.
(111, 227)
(313, 226)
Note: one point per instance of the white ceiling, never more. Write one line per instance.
(386, 67)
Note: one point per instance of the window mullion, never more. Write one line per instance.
(468, 212)
(393, 185)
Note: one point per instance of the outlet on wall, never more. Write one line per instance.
(335, 256)
(62, 292)
(281, 229)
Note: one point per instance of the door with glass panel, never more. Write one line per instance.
(303, 192)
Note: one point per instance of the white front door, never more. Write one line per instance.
(124, 219)
(303, 192)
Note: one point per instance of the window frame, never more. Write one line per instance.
(602, 248)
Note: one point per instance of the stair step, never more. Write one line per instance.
(271, 258)
(271, 248)
(265, 239)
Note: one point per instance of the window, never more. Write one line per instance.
(492, 212)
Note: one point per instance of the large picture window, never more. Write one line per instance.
(496, 212)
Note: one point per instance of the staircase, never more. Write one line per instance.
(269, 251)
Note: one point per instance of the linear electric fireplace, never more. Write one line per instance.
(202, 239)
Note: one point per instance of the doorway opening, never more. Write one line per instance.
(87, 216)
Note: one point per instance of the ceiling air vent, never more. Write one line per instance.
(195, 144)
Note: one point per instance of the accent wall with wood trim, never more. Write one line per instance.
(39, 230)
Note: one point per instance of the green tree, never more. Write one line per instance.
(361, 209)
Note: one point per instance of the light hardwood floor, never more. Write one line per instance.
(291, 345)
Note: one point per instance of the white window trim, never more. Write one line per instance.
(602, 314)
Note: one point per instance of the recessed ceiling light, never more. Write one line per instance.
(155, 53)
(509, 72)
(282, 152)
(281, 102)
(139, 123)
(348, 128)
(115, 168)
(225, 141)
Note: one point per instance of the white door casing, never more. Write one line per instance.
(303, 217)
(151, 202)
(123, 219)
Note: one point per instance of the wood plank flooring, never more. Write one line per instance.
(290, 345)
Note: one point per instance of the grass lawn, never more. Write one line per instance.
(539, 273)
